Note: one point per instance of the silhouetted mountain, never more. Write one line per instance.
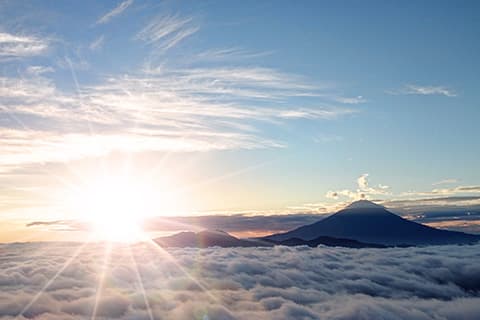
(205, 239)
(367, 222)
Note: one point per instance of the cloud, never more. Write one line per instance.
(363, 182)
(232, 53)
(39, 70)
(328, 138)
(241, 283)
(241, 225)
(115, 12)
(364, 190)
(21, 46)
(97, 44)
(154, 110)
(434, 203)
(351, 100)
(425, 90)
(461, 213)
(457, 223)
(165, 32)
(444, 191)
(445, 181)
(436, 198)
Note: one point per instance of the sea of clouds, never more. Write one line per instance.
(146, 282)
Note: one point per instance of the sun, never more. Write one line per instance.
(115, 207)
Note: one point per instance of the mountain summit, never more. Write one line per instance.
(364, 204)
(205, 239)
(368, 222)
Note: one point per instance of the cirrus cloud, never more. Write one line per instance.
(21, 46)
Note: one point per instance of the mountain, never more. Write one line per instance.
(368, 222)
(217, 238)
(207, 238)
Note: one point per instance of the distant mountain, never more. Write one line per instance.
(205, 239)
(368, 222)
(217, 238)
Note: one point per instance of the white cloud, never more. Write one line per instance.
(351, 100)
(233, 53)
(445, 191)
(97, 44)
(115, 12)
(327, 138)
(457, 198)
(364, 190)
(165, 32)
(425, 90)
(362, 181)
(159, 109)
(37, 70)
(445, 181)
(153, 109)
(242, 283)
(21, 46)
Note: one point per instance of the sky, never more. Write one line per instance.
(218, 107)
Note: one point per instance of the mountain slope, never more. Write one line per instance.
(205, 239)
(367, 222)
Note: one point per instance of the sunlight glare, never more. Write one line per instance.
(116, 207)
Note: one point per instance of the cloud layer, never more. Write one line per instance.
(21, 46)
(192, 109)
(239, 283)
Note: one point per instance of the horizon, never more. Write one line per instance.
(204, 109)
(238, 160)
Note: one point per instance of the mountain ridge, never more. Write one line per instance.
(218, 238)
(368, 222)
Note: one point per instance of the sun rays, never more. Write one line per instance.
(101, 279)
(140, 283)
(103, 287)
(51, 280)
(115, 206)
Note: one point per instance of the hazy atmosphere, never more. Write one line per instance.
(239, 159)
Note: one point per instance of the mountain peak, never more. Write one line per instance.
(364, 204)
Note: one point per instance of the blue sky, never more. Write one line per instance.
(270, 106)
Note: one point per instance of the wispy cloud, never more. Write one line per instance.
(445, 181)
(155, 108)
(351, 100)
(233, 53)
(39, 70)
(425, 90)
(178, 110)
(445, 191)
(439, 209)
(238, 82)
(115, 12)
(97, 43)
(328, 138)
(21, 46)
(165, 32)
